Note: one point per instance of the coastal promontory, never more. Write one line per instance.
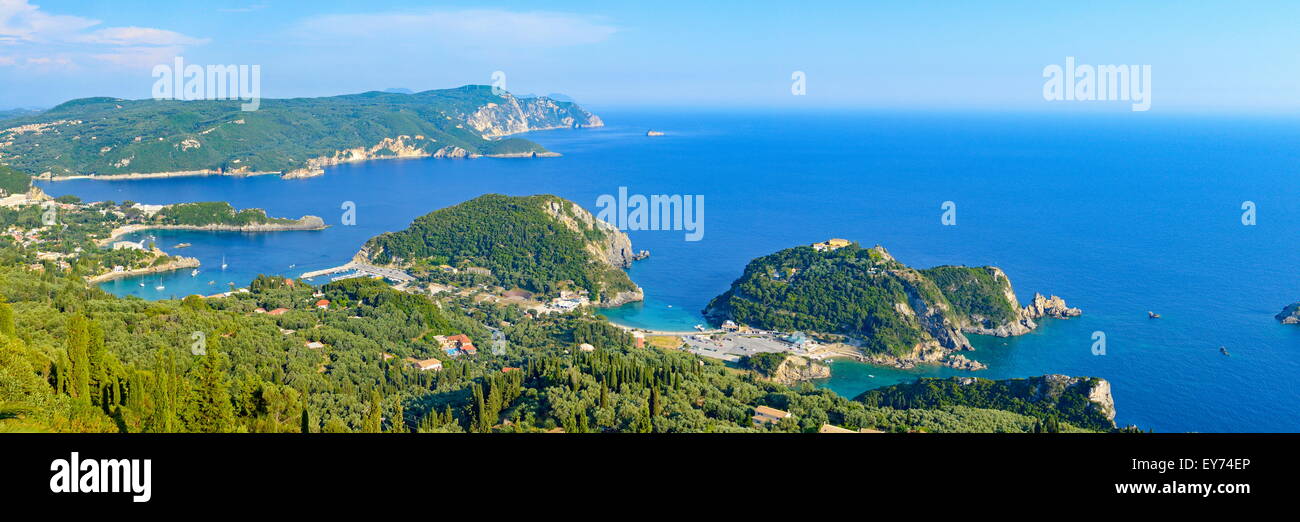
(1083, 402)
(895, 314)
(114, 138)
(543, 244)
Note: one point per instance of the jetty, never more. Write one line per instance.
(361, 270)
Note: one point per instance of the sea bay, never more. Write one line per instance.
(1117, 213)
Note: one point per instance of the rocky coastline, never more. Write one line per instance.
(795, 369)
(175, 263)
(303, 223)
(1290, 314)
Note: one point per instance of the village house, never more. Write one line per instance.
(278, 311)
(767, 415)
(425, 365)
(323, 304)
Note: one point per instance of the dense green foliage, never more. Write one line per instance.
(976, 293)
(850, 291)
(765, 363)
(1036, 397)
(13, 181)
(516, 238)
(116, 136)
(73, 358)
(214, 213)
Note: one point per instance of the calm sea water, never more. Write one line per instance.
(1119, 214)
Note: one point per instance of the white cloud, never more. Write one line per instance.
(483, 28)
(23, 22)
(29, 35)
(138, 36)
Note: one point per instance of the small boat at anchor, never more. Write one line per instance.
(1152, 315)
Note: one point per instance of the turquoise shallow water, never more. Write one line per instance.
(1119, 214)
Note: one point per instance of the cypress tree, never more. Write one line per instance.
(78, 346)
(306, 424)
(374, 418)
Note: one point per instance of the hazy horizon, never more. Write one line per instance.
(1215, 57)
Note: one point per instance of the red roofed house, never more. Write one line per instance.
(323, 304)
(278, 311)
(462, 342)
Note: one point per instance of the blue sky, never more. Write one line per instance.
(1205, 56)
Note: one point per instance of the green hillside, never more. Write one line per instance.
(533, 242)
(76, 359)
(1054, 397)
(850, 291)
(13, 181)
(103, 136)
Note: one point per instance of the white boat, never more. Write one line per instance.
(223, 263)
(194, 273)
(160, 288)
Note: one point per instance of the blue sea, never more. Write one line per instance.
(1117, 213)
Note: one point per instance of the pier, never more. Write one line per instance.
(361, 270)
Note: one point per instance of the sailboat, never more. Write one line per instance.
(223, 263)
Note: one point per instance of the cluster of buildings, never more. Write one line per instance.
(456, 345)
(569, 301)
(25, 237)
(453, 345)
(831, 244)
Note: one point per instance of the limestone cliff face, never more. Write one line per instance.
(1048, 307)
(513, 116)
(935, 316)
(402, 146)
(795, 369)
(1051, 387)
(1025, 318)
(615, 248)
(1019, 326)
